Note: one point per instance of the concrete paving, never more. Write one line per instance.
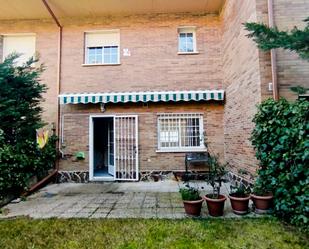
(109, 200)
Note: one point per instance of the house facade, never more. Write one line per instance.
(134, 86)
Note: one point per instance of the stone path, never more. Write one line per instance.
(107, 200)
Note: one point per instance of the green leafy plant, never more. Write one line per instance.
(189, 193)
(268, 38)
(281, 141)
(20, 116)
(216, 174)
(240, 190)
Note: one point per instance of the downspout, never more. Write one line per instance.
(273, 56)
(55, 171)
(58, 71)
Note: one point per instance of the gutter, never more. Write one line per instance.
(273, 56)
(52, 174)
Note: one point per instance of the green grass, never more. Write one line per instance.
(139, 233)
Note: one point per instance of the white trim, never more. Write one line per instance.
(188, 53)
(101, 64)
(189, 149)
(91, 168)
(185, 30)
(136, 144)
(169, 117)
(107, 31)
(91, 134)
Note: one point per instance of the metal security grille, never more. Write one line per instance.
(126, 148)
(180, 131)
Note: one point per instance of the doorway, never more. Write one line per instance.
(103, 147)
(113, 148)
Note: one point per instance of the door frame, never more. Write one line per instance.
(91, 155)
(91, 134)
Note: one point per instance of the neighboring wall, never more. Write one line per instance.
(292, 70)
(46, 46)
(241, 79)
(154, 63)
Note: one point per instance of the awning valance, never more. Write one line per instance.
(124, 97)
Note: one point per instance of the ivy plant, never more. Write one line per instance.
(281, 141)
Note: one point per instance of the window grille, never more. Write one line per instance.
(180, 131)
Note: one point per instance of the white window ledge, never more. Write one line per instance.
(187, 53)
(181, 150)
(107, 64)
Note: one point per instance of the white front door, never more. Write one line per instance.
(126, 148)
(111, 165)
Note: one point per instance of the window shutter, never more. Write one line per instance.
(22, 44)
(101, 39)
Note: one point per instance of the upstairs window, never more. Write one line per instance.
(180, 132)
(187, 40)
(102, 47)
(22, 44)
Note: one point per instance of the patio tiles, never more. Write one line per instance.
(107, 200)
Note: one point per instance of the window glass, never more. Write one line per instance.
(186, 40)
(179, 131)
(102, 47)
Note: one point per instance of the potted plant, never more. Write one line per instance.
(215, 200)
(239, 197)
(262, 198)
(192, 200)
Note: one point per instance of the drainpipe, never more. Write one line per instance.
(273, 57)
(58, 71)
(55, 171)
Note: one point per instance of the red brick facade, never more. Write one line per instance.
(227, 60)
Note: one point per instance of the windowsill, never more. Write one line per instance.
(93, 65)
(181, 150)
(187, 53)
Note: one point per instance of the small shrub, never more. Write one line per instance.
(216, 174)
(281, 140)
(20, 116)
(190, 193)
(240, 190)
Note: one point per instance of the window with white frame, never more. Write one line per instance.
(102, 47)
(187, 40)
(177, 132)
(22, 44)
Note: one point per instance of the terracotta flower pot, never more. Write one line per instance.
(215, 206)
(193, 207)
(262, 203)
(239, 204)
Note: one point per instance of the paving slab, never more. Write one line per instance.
(110, 200)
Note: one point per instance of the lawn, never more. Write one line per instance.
(139, 233)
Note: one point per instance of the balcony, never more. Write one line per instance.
(34, 9)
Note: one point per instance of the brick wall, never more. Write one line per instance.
(76, 132)
(292, 70)
(154, 63)
(46, 46)
(241, 79)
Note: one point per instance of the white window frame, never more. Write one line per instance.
(112, 45)
(186, 30)
(180, 148)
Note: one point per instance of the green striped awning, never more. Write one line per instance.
(124, 97)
